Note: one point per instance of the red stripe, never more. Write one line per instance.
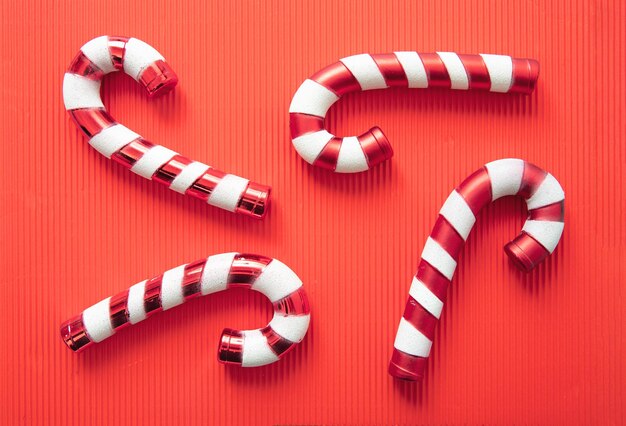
(117, 49)
(447, 237)
(531, 180)
(131, 153)
(476, 71)
(118, 309)
(277, 343)
(168, 172)
(327, 159)
(375, 146)
(158, 78)
(337, 78)
(554, 212)
(476, 190)
(245, 269)
(91, 121)
(406, 366)
(420, 318)
(391, 69)
(82, 65)
(205, 184)
(295, 304)
(191, 279)
(152, 296)
(436, 282)
(231, 346)
(525, 75)
(435, 70)
(526, 252)
(302, 124)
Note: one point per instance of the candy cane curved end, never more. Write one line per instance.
(539, 237)
(248, 348)
(81, 95)
(313, 99)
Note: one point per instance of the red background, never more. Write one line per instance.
(543, 348)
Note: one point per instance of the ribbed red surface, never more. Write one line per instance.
(544, 348)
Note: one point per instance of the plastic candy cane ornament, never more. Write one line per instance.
(81, 94)
(248, 348)
(540, 235)
(351, 154)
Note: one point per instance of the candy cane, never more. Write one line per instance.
(352, 154)
(540, 235)
(249, 348)
(81, 94)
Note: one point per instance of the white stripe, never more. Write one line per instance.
(456, 70)
(546, 232)
(277, 281)
(171, 287)
(549, 192)
(228, 192)
(312, 98)
(215, 273)
(256, 350)
(137, 56)
(500, 68)
(365, 70)
(81, 92)
(439, 258)
(310, 146)
(411, 341)
(414, 69)
(150, 162)
(458, 213)
(351, 156)
(505, 176)
(136, 306)
(426, 298)
(112, 139)
(97, 50)
(188, 176)
(97, 321)
(291, 327)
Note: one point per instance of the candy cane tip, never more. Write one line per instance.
(255, 200)
(526, 76)
(230, 349)
(383, 151)
(525, 252)
(407, 367)
(74, 334)
(158, 78)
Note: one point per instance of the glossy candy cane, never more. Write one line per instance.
(81, 94)
(249, 348)
(356, 73)
(540, 235)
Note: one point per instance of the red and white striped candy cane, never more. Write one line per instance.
(81, 94)
(540, 235)
(351, 154)
(249, 348)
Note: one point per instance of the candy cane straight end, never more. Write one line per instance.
(352, 154)
(247, 348)
(255, 201)
(74, 334)
(540, 235)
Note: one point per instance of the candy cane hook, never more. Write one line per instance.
(249, 348)
(81, 94)
(352, 154)
(540, 235)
